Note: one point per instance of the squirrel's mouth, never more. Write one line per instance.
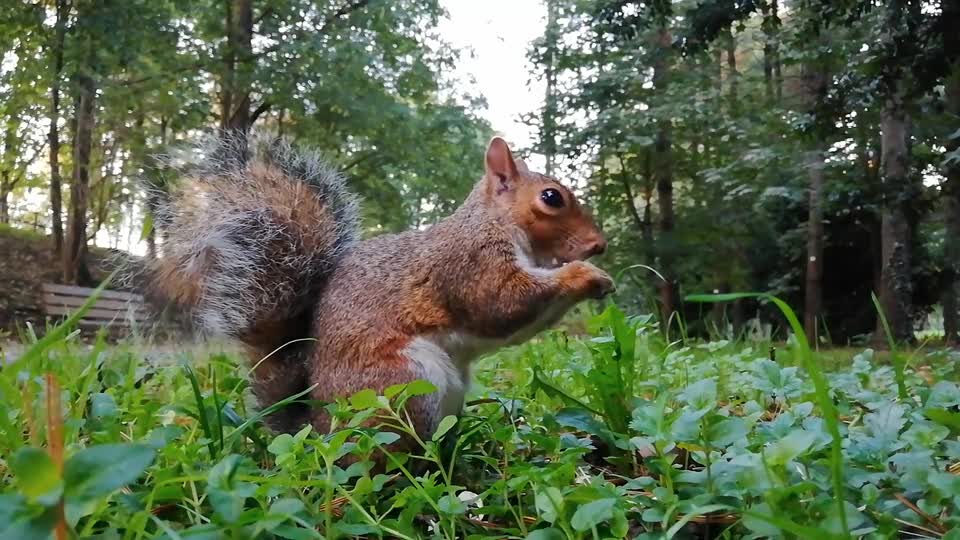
(552, 263)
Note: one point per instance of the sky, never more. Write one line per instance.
(498, 33)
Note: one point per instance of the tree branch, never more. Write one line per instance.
(357, 161)
(343, 11)
(263, 15)
(264, 107)
(166, 73)
(631, 206)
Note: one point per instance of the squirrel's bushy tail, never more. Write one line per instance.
(251, 230)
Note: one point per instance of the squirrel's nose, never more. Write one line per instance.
(596, 247)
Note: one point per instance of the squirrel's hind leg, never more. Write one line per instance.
(422, 412)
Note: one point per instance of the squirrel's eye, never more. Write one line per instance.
(552, 197)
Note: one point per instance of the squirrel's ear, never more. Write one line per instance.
(501, 168)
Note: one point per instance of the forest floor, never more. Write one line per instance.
(614, 434)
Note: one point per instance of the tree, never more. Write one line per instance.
(54, 55)
(900, 188)
(815, 79)
(950, 191)
(550, 113)
(663, 168)
(951, 206)
(235, 111)
(772, 77)
(75, 268)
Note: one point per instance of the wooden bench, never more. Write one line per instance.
(115, 309)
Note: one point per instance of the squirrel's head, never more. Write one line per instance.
(559, 230)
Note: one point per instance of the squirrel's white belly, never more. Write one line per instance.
(444, 359)
(432, 363)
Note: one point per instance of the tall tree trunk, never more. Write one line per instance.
(646, 229)
(896, 288)
(731, 50)
(75, 268)
(718, 71)
(5, 189)
(951, 206)
(628, 194)
(53, 134)
(813, 292)
(814, 87)
(767, 51)
(235, 98)
(771, 49)
(663, 178)
(777, 75)
(550, 99)
(151, 199)
(7, 164)
(951, 189)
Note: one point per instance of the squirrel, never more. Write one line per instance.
(262, 244)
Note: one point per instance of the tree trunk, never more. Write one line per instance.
(7, 164)
(663, 178)
(767, 51)
(550, 99)
(235, 98)
(646, 230)
(53, 134)
(777, 75)
(813, 292)
(628, 195)
(5, 189)
(151, 199)
(896, 288)
(771, 62)
(75, 269)
(814, 80)
(718, 71)
(951, 208)
(733, 76)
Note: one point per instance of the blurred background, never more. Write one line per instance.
(804, 148)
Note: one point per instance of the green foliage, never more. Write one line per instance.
(360, 81)
(735, 98)
(715, 433)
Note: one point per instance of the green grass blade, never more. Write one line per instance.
(895, 358)
(791, 527)
(201, 410)
(821, 388)
(216, 406)
(539, 383)
(699, 511)
(233, 435)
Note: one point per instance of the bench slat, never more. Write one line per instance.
(101, 323)
(100, 313)
(70, 290)
(73, 301)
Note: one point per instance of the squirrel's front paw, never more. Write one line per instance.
(591, 282)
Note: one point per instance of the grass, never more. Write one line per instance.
(615, 433)
(20, 233)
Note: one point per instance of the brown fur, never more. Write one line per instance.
(461, 275)
(484, 275)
